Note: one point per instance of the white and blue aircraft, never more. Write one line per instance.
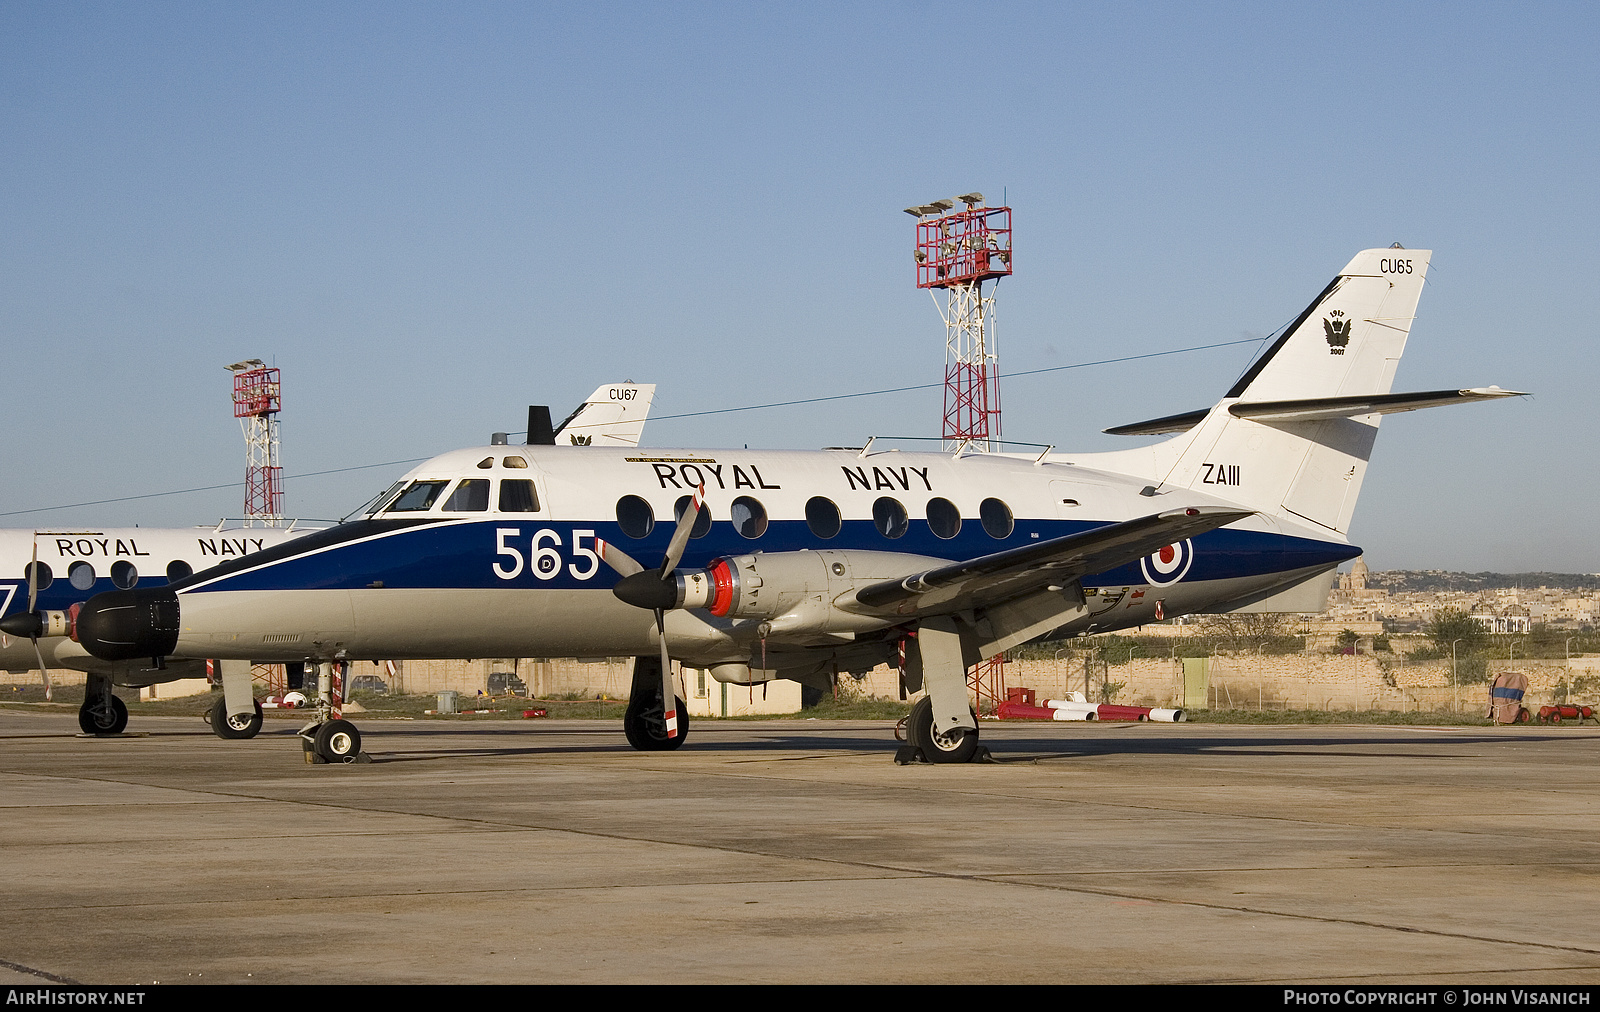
(803, 564)
(53, 570)
(49, 570)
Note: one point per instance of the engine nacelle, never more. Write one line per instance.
(122, 625)
(794, 591)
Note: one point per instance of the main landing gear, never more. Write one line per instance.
(102, 712)
(645, 720)
(329, 738)
(957, 745)
(942, 726)
(237, 714)
(232, 726)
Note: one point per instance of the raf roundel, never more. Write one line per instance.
(1169, 565)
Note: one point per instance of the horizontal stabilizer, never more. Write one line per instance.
(1310, 409)
(1159, 426)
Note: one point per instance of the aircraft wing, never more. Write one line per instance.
(993, 579)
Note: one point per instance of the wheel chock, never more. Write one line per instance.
(907, 755)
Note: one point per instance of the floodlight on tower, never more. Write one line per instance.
(257, 399)
(958, 251)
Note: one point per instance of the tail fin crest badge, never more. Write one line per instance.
(1338, 330)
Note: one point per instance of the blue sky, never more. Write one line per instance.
(431, 216)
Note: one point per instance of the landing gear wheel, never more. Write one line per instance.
(337, 741)
(108, 719)
(646, 726)
(959, 746)
(224, 726)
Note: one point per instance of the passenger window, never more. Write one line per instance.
(822, 516)
(635, 517)
(517, 496)
(420, 496)
(515, 462)
(996, 518)
(749, 517)
(81, 575)
(944, 520)
(890, 518)
(471, 496)
(45, 577)
(177, 570)
(123, 575)
(702, 523)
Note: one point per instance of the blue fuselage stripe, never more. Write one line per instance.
(541, 554)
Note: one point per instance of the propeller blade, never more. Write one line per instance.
(44, 673)
(33, 599)
(617, 559)
(669, 693)
(680, 536)
(654, 589)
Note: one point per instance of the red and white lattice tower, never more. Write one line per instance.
(958, 251)
(257, 399)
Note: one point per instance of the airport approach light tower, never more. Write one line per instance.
(958, 251)
(257, 399)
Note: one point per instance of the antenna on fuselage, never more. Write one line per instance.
(540, 432)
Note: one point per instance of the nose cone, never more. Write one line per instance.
(123, 625)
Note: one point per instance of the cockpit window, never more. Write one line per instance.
(486, 463)
(418, 497)
(377, 503)
(518, 462)
(471, 496)
(517, 496)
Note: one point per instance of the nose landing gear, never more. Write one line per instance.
(329, 738)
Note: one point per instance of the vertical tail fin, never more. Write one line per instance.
(1347, 343)
(613, 415)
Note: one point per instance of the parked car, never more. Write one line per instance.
(506, 683)
(368, 683)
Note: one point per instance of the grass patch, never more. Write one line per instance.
(68, 698)
(380, 705)
(373, 704)
(844, 709)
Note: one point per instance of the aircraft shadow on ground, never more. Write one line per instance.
(1378, 747)
(783, 743)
